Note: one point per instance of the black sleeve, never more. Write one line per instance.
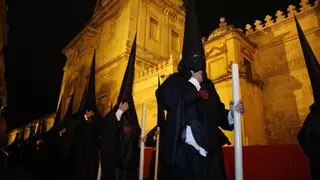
(151, 142)
(110, 119)
(167, 95)
(221, 111)
(174, 89)
(70, 124)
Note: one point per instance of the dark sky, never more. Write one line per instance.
(39, 30)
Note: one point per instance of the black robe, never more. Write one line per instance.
(309, 140)
(53, 143)
(31, 153)
(119, 148)
(3, 160)
(65, 143)
(186, 107)
(84, 149)
(43, 155)
(15, 154)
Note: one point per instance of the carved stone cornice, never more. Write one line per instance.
(107, 11)
(149, 56)
(237, 35)
(215, 51)
(89, 32)
(177, 13)
(223, 29)
(107, 64)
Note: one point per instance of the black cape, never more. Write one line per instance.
(185, 106)
(84, 149)
(309, 140)
(309, 135)
(119, 148)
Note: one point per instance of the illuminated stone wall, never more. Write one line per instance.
(274, 82)
(287, 92)
(227, 45)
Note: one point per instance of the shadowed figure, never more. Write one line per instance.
(309, 134)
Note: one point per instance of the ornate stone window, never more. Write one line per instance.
(248, 69)
(174, 40)
(154, 29)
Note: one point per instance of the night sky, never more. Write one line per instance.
(40, 29)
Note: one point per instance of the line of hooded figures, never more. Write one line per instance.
(85, 146)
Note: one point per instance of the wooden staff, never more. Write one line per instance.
(143, 125)
(157, 155)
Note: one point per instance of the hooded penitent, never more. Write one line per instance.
(125, 94)
(309, 134)
(88, 101)
(193, 56)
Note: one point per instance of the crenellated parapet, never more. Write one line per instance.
(87, 37)
(280, 16)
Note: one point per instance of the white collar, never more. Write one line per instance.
(195, 82)
(86, 118)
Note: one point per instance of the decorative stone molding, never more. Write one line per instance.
(155, 70)
(269, 21)
(249, 29)
(223, 22)
(305, 5)
(292, 10)
(258, 25)
(281, 16)
(108, 11)
(173, 11)
(92, 29)
(215, 51)
(110, 5)
(102, 3)
(223, 28)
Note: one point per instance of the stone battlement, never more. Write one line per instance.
(305, 6)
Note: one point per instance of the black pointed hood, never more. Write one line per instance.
(125, 94)
(127, 81)
(88, 101)
(193, 56)
(311, 63)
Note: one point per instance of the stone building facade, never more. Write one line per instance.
(273, 77)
